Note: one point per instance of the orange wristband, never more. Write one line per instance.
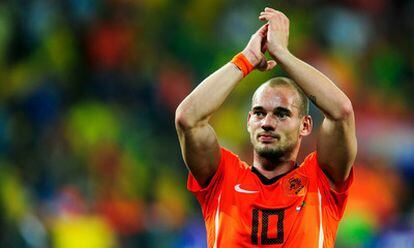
(242, 63)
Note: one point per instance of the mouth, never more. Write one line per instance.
(267, 137)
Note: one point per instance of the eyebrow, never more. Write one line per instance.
(257, 108)
(283, 110)
(277, 109)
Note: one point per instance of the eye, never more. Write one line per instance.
(282, 114)
(259, 113)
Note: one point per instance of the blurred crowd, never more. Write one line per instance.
(88, 89)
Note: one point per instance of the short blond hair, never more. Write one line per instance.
(284, 81)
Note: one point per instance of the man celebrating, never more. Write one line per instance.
(274, 202)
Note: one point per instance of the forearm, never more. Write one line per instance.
(208, 96)
(319, 88)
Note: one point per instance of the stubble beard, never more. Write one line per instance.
(277, 153)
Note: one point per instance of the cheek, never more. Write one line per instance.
(291, 130)
(252, 125)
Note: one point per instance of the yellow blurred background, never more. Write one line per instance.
(89, 157)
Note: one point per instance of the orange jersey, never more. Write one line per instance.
(242, 208)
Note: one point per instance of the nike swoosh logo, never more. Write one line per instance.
(238, 189)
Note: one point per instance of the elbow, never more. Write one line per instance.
(186, 119)
(345, 111)
(182, 118)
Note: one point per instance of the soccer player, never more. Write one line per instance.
(274, 202)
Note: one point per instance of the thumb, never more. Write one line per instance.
(270, 65)
(262, 66)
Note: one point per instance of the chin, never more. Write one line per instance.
(270, 152)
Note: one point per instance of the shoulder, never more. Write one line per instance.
(309, 163)
(229, 168)
(311, 169)
(228, 157)
(335, 200)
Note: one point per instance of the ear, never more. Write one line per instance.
(306, 126)
(248, 121)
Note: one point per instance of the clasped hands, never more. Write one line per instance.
(272, 37)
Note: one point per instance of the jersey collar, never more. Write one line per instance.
(268, 181)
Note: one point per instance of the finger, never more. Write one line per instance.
(264, 46)
(262, 66)
(257, 38)
(265, 14)
(281, 14)
(263, 30)
(278, 16)
(268, 9)
(270, 65)
(277, 13)
(274, 12)
(268, 15)
(265, 17)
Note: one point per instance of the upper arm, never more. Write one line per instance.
(336, 147)
(200, 150)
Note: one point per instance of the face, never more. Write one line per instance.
(274, 123)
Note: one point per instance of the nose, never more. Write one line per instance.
(269, 123)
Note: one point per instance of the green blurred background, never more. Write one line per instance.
(89, 157)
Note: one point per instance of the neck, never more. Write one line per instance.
(271, 168)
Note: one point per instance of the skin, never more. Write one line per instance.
(198, 141)
(276, 129)
(336, 145)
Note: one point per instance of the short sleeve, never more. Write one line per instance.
(335, 199)
(195, 188)
(212, 190)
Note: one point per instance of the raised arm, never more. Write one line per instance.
(336, 144)
(199, 145)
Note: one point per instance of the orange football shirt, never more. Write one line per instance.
(242, 208)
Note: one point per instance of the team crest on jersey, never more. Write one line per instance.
(296, 185)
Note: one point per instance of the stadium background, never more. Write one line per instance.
(88, 89)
